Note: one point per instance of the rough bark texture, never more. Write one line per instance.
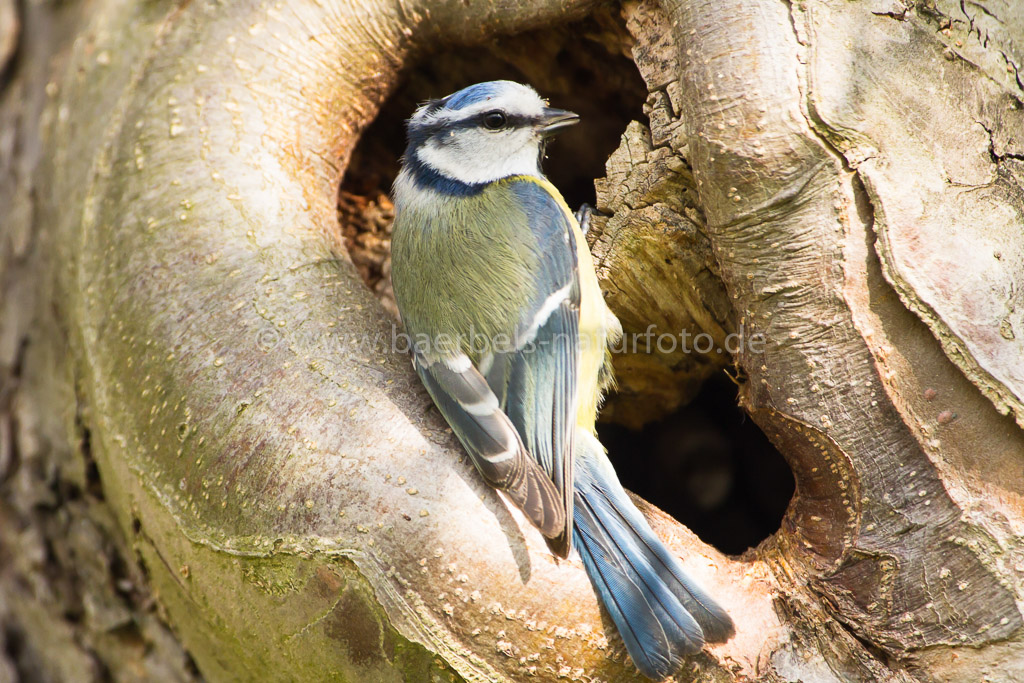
(201, 423)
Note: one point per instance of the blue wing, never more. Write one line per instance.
(536, 380)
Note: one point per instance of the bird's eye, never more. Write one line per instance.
(493, 120)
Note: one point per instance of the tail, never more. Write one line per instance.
(659, 612)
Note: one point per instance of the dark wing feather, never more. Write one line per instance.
(493, 444)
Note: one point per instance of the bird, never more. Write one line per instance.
(510, 335)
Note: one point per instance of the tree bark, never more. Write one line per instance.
(202, 424)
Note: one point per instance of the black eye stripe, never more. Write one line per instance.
(478, 121)
(421, 132)
(511, 120)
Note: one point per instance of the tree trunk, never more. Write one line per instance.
(203, 424)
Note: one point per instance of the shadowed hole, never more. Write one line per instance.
(709, 466)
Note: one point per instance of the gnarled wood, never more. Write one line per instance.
(299, 509)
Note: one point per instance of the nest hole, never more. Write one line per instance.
(709, 466)
(706, 464)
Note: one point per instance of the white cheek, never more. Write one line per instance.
(475, 156)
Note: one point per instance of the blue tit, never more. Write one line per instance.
(510, 334)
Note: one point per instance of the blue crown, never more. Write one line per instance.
(476, 93)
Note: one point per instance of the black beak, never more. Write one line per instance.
(553, 121)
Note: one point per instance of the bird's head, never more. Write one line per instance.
(484, 132)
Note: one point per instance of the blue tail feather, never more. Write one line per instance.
(659, 612)
(714, 622)
(647, 627)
